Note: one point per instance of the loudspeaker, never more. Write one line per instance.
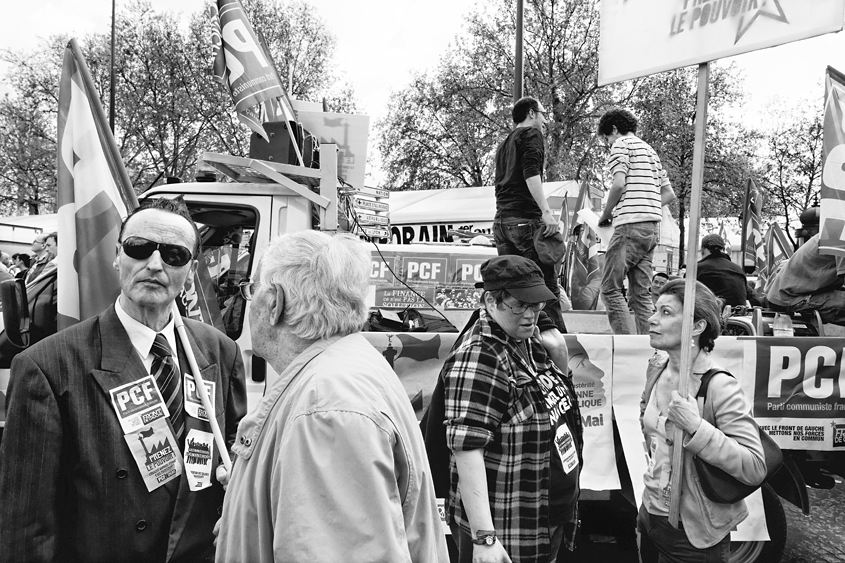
(280, 149)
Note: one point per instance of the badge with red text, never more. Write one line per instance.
(198, 459)
(138, 404)
(156, 453)
(193, 404)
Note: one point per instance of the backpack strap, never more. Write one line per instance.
(705, 380)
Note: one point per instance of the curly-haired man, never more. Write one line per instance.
(640, 188)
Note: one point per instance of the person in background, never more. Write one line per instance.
(634, 204)
(87, 475)
(330, 464)
(521, 206)
(51, 246)
(39, 258)
(657, 283)
(722, 276)
(513, 427)
(6, 267)
(21, 261)
(732, 444)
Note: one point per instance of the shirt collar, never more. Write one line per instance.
(142, 336)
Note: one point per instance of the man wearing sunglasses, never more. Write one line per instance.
(89, 463)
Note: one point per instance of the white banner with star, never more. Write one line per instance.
(642, 37)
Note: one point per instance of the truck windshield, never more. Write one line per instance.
(225, 260)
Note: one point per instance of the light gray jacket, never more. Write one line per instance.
(726, 438)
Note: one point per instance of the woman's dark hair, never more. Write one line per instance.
(708, 308)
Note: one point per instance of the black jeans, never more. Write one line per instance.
(516, 236)
(661, 543)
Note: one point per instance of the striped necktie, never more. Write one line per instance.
(167, 376)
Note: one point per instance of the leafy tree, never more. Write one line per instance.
(168, 106)
(792, 161)
(443, 129)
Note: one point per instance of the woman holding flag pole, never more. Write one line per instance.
(722, 433)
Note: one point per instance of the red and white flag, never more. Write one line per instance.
(832, 221)
(242, 63)
(94, 195)
(753, 252)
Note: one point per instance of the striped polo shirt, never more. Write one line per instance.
(644, 177)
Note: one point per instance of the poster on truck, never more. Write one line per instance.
(437, 277)
(798, 390)
(591, 362)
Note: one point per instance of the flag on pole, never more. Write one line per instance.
(241, 63)
(832, 220)
(585, 276)
(753, 253)
(724, 234)
(778, 249)
(94, 195)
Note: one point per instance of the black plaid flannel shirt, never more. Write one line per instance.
(493, 402)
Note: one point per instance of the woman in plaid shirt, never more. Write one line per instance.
(513, 426)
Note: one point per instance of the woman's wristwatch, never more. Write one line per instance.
(484, 537)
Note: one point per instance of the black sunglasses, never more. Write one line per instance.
(139, 248)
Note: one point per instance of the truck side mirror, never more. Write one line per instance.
(15, 312)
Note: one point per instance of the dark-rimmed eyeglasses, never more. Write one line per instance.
(139, 248)
(522, 307)
(248, 289)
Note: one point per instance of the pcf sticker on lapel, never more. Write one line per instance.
(138, 404)
(193, 404)
(198, 459)
(155, 452)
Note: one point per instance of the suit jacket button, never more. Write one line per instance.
(141, 525)
(122, 473)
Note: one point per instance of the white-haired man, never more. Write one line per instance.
(331, 464)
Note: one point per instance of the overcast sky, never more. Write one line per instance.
(380, 42)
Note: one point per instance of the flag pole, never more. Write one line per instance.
(201, 390)
(689, 290)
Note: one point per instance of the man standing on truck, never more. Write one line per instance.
(810, 281)
(107, 455)
(331, 463)
(521, 206)
(634, 204)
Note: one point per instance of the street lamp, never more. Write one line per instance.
(111, 70)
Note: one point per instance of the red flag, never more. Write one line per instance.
(724, 234)
(94, 195)
(753, 252)
(778, 249)
(241, 62)
(585, 276)
(832, 220)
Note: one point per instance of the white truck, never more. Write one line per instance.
(238, 219)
